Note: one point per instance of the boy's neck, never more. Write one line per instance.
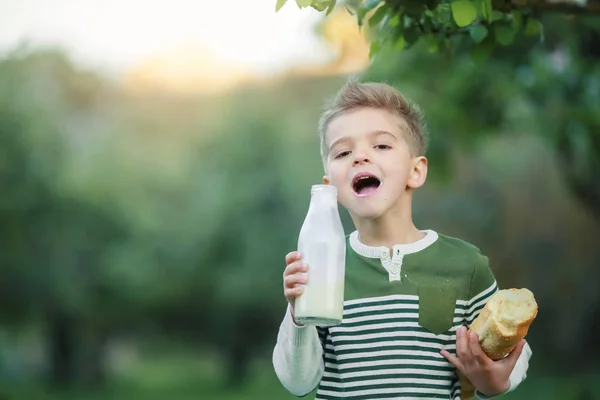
(394, 227)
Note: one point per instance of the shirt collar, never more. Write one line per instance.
(399, 249)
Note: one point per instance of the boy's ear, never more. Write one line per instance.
(325, 180)
(418, 174)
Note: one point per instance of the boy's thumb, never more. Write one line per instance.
(516, 353)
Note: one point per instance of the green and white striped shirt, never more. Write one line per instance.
(400, 310)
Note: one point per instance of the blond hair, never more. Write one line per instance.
(356, 95)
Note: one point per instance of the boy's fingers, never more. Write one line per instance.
(293, 292)
(292, 280)
(476, 349)
(292, 256)
(453, 360)
(462, 345)
(513, 357)
(293, 268)
(458, 342)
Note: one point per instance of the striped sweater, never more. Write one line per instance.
(400, 310)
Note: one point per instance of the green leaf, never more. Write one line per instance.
(378, 16)
(303, 3)
(331, 7)
(533, 28)
(486, 10)
(280, 3)
(482, 51)
(497, 15)
(464, 12)
(504, 34)
(517, 18)
(411, 35)
(431, 42)
(444, 15)
(360, 15)
(478, 33)
(364, 9)
(373, 49)
(319, 5)
(400, 43)
(371, 4)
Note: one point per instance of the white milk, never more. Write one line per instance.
(322, 242)
(320, 304)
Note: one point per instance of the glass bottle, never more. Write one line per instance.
(322, 243)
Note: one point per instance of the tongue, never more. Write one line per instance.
(367, 190)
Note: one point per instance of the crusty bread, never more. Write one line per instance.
(504, 321)
(501, 325)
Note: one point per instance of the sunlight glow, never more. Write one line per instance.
(118, 35)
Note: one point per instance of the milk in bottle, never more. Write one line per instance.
(322, 244)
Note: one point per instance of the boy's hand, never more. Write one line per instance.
(490, 377)
(294, 274)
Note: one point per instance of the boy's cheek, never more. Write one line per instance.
(344, 201)
(337, 183)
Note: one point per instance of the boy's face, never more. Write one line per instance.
(370, 162)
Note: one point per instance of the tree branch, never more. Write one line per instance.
(552, 6)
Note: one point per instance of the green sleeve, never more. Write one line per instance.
(483, 286)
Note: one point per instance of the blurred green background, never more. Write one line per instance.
(143, 228)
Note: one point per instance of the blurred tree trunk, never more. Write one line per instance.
(77, 356)
(62, 346)
(93, 364)
(238, 359)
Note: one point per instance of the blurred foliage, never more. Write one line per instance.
(444, 25)
(109, 230)
(143, 235)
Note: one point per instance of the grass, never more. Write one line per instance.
(171, 376)
(185, 376)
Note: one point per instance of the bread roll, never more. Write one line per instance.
(501, 325)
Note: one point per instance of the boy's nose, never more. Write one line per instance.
(361, 159)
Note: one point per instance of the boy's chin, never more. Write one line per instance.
(366, 213)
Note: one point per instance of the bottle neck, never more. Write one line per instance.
(323, 196)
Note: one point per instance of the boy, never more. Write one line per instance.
(409, 293)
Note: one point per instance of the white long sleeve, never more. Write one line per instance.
(519, 372)
(298, 357)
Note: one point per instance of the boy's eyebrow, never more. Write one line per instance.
(382, 132)
(339, 140)
(373, 133)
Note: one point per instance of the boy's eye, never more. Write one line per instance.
(342, 154)
(383, 147)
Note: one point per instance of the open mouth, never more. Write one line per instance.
(364, 184)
